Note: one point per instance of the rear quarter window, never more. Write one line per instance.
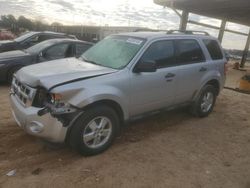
(213, 49)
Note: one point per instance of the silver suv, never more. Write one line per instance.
(85, 101)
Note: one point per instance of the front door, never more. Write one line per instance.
(155, 90)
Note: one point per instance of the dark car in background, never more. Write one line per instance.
(48, 50)
(30, 39)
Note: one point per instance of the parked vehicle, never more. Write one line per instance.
(85, 101)
(30, 39)
(6, 35)
(48, 50)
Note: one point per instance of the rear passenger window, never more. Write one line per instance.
(189, 51)
(213, 49)
(162, 52)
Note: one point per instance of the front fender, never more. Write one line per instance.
(91, 95)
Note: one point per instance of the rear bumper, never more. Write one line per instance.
(45, 126)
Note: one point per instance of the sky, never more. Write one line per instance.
(142, 13)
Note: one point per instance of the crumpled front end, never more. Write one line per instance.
(26, 115)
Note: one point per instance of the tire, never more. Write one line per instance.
(204, 105)
(89, 136)
(11, 73)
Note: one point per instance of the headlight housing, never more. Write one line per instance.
(55, 98)
(57, 106)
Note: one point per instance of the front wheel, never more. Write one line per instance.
(94, 131)
(205, 103)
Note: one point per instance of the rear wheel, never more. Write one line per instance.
(205, 103)
(94, 131)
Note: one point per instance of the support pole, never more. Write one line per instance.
(244, 57)
(184, 20)
(222, 30)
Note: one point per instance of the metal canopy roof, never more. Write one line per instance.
(237, 11)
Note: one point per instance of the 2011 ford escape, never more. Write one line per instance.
(85, 101)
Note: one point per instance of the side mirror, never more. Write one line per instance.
(145, 66)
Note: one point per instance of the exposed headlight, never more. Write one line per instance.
(55, 98)
(58, 106)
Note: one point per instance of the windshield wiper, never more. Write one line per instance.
(89, 61)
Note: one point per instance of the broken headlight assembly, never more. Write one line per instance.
(56, 106)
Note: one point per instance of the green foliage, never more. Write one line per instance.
(23, 23)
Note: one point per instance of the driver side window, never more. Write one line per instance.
(161, 52)
(56, 52)
(30, 42)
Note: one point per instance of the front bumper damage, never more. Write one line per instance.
(45, 126)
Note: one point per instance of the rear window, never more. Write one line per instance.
(189, 52)
(213, 49)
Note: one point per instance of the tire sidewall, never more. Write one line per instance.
(205, 89)
(76, 134)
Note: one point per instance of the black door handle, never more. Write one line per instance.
(170, 75)
(203, 69)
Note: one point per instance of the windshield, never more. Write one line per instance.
(39, 47)
(114, 52)
(24, 36)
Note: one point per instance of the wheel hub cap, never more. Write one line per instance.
(97, 132)
(207, 102)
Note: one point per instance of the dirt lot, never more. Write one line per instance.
(172, 149)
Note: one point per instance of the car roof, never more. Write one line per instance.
(60, 40)
(52, 33)
(153, 35)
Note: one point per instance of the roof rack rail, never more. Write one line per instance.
(188, 32)
(144, 29)
(149, 30)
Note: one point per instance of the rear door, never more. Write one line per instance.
(192, 67)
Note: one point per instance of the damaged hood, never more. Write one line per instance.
(57, 72)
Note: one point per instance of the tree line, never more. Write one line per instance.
(17, 25)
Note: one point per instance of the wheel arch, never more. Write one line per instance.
(215, 83)
(110, 103)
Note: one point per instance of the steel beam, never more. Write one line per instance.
(222, 30)
(203, 24)
(178, 14)
(184, 20)
(245, 52)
